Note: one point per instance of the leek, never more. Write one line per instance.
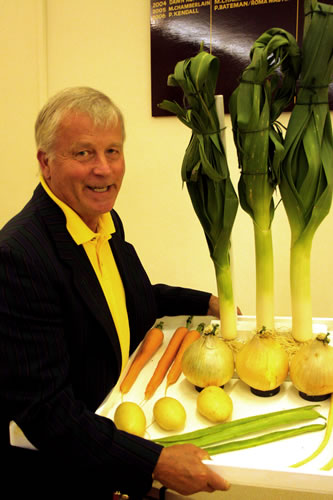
(255, 105)
(306, 173)
(229, 431)
(324, 442)
(205, 171)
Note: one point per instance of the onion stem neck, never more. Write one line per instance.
(324, 338)
(211, 331)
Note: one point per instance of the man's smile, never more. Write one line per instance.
(99, 189)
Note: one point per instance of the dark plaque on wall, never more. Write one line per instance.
(227, 29)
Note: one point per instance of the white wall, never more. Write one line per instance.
(20, 90)
(106, 44)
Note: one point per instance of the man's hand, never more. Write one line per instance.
(180, 468)
(214, 307)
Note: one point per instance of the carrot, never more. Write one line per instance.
(176, 368)
(152, 341)
(167, 359)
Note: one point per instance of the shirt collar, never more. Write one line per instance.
(78, 229)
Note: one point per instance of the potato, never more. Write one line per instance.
(214, 404)
(130, 417)
(170, 414)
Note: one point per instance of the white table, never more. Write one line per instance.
(257, 473)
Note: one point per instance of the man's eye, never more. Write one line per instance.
(113, 152)
(83, 155)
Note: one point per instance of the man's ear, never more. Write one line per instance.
(43, 163)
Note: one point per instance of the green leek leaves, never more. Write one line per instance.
(307, 169)
(205, 171)
(266, 87)
(301, 163)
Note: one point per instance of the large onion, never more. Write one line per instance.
(311, 368)
(208, 361)
(262, 364)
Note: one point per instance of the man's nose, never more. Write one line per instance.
(102, 165)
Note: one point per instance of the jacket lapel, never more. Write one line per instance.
(84, 279)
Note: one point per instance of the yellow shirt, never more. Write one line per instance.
(101, 258)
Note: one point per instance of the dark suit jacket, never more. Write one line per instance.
(59, 351)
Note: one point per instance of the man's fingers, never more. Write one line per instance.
(217, 482)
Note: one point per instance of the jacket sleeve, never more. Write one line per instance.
(174, 301)
(36, 382)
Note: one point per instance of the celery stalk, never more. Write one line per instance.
(205, 171)
(307, 168)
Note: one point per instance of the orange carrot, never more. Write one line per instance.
(176, 368)
(152, 341)
(167, 359)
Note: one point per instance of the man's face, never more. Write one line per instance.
(87, 166)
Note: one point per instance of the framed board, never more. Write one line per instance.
(227, 28)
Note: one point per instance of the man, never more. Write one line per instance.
(75, 302)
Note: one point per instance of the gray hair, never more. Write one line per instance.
(94, 103)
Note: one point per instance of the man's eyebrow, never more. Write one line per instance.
(81, 145)
(86, 144)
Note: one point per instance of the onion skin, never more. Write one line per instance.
(311, 368)
(208, 361)
(262, 363)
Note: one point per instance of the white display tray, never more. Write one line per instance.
(264, 466)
